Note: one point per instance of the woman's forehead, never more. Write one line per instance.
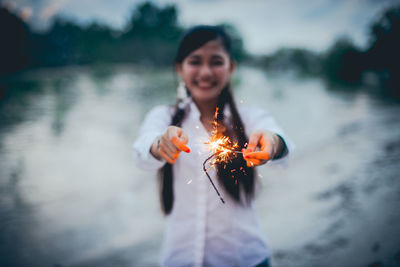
(213, 47)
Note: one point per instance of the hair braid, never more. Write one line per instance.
(236, 174)
(165, 174)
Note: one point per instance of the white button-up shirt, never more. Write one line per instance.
(201, 230)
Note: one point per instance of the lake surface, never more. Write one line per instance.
(71, 195)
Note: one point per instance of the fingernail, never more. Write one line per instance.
(187, 150)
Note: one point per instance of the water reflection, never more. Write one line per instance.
(71, 195)
(16, 100)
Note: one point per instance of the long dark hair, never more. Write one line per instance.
(232, 175)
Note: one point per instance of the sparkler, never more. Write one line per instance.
(209, 178)
(223, 149)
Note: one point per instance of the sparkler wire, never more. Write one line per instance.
(220, 144)
(209, 178)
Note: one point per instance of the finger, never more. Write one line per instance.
(253, 162)
(261, 155)
(167, 157)
(167, 145)
(245, 151)
(179, 145)
(253, 141)
(179, 138)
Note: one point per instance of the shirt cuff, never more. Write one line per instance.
(141, 153)
(284, 150)
(282, 160)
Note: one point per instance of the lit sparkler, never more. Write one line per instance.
(223, 149)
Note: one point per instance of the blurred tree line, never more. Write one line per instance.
(152, 34)
(343, 63)
(150, 37)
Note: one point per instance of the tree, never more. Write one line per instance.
(343, 62)
(383, 53)
(14, 44)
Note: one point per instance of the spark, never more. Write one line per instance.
(223, 150)
(221, 145)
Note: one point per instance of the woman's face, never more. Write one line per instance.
(206, 71)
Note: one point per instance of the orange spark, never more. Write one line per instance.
(222, 146)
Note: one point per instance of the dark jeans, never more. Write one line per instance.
(265, 263)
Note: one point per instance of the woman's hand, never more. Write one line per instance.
(170, 144)
(262, 146)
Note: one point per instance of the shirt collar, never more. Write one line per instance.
(195, 112)
(193, 109)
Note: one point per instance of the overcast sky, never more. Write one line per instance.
(265, 25)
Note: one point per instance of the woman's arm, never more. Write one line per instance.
(158, 142)
(267, 140)
(154, 124)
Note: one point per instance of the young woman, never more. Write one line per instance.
(200, 229)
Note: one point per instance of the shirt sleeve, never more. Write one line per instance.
(259, 119)
(154, 124)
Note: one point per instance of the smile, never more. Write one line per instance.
(205, 86)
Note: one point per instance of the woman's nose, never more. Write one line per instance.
(205, 71)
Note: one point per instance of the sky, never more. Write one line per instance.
(265, 25)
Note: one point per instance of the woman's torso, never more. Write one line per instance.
(201, 230)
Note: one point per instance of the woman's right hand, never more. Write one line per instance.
(170, 144)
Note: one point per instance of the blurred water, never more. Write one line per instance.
(72, 196)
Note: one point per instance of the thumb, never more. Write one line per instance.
(178, 131)
(183, 137)
(253, 141)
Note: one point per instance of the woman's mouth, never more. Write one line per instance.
(205, 86)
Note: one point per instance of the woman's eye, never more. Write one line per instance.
(217, 63)
(194, 62)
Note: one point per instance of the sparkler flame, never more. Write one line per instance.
(222, 147)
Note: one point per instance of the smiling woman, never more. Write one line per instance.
(206, 71)
(201, 230)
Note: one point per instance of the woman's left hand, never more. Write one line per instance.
(261, 148)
